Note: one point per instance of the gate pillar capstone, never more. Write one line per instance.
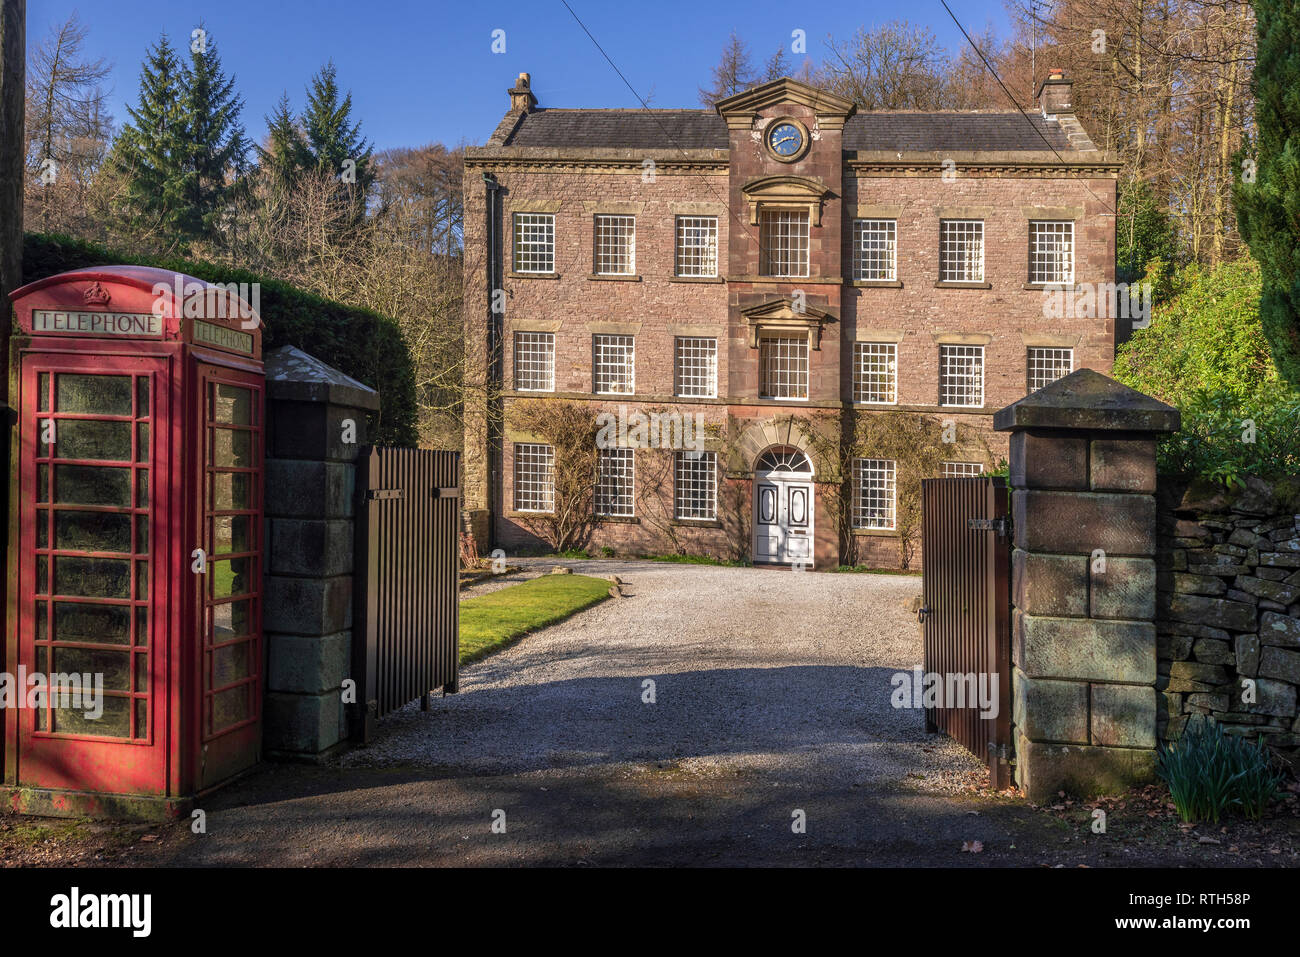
(317, 423)
(1083, 582)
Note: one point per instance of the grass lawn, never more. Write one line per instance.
(492, 621)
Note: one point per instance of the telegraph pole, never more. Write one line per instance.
(13, 73)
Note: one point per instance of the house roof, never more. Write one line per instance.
(705, 129)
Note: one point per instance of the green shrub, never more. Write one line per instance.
(1209, 773)
(365, 345)
(1205, 352)
(1225, 437)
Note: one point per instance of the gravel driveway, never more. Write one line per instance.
(753, 670)
(771, 707)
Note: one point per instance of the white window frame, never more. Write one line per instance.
(534, 492)
(615, 483)
(777, 348)
(785, 242)
(876, 478)
(879, 355)
(694, 259)
(695, 473)
(958, 238)
(614, 244)
(695, 367)
(611, 365)
(539, 249)
(950, 380)
(539, 364)
(883, 236)
(1051, 252)
(1040, 358)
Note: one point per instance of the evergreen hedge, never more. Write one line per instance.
(364, 344)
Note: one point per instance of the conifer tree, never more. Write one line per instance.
(146, 154)
(334, 142)
(1267, 190)
(213, 144)
(183, 151)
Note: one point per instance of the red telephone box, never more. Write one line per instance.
(139, 441)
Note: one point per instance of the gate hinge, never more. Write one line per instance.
(452, 491)
(384, 493)
(998, 525)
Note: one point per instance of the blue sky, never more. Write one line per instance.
(423, 71)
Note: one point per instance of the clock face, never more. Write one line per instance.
(785, 139)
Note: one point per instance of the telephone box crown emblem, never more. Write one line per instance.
(95, 295)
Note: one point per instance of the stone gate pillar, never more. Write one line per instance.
(317, 423)
(1083, 480)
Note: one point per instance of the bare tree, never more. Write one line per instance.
(733, 74)
(897, 66)
(68, 129)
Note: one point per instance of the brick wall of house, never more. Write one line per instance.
(654, 306)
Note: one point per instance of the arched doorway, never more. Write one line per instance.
(783, 507)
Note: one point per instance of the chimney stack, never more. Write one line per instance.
(521, 95)
(1054, 93)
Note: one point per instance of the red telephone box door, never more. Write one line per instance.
(94, 438)
(231, 592)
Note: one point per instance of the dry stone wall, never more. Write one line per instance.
(1228, 608)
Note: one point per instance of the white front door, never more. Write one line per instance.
(783, 520)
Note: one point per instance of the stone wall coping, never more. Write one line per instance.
(293, 375)
(1091, 401)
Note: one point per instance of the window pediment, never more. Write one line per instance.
(780, 317)
(786, 192)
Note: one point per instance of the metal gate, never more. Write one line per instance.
(406, 616)
(966, 613)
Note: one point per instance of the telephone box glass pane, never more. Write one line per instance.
(93, 394)
(142, 397)
(230, 533)
(232, 448)
(229, 707)
(43, 392)
(92, 485)
(92, 577)
(92, 624)
(229, 664)
(93, 439)
(231, 620)
(115, 666)
(232, 490)
(92, 531)
(231, 577)
(232, 405)
(115, 722)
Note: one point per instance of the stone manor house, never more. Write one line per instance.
(776, 268)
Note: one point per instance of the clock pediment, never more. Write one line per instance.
(831, 110)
